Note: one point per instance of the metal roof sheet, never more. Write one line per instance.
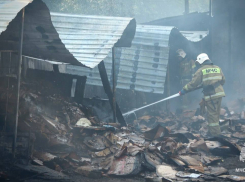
(40, 39)
(90, 38)
(9, 10)
(141, 67)
(75, 39)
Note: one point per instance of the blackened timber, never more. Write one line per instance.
(108, 91)
(114, 84)
(80, 88)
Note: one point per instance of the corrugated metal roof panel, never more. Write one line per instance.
(143, 66)
(9, 10)
(40, 39)
(90, 38)
(75, 39)
(194, 36)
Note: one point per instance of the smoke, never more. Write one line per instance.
(142, 10)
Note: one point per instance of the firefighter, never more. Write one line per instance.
(212, 79)
(187, 68)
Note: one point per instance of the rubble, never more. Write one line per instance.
(150, 160)
(156, 132)
(125, 166)
(89, 171)
(39, 172)
(216, 171)
(96, 143)
(199, 145)
(187, 175)
(233, 177)
(83, 122)
(166, 171)
(162, 147)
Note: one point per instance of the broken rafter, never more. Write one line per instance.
(108, 91)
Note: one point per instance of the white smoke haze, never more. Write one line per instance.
(142, 10)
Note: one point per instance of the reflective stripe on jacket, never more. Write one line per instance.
(208, 75)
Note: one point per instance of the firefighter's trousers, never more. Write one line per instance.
(213, 112)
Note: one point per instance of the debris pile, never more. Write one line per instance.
(69, 138)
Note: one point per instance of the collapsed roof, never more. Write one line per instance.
(143, 66)
(74, 39)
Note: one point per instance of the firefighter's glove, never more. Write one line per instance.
(182, 92)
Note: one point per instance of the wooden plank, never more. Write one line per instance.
(108, 91)
(80, 88)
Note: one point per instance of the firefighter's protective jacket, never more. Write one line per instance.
(205, 76)
(187, 70)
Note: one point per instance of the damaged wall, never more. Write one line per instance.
(8, 84)
(69, 85)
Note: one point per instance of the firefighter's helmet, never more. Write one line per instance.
(201, 58)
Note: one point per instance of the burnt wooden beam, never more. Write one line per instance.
(80, 88)
(109, 93)
(114, 85)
